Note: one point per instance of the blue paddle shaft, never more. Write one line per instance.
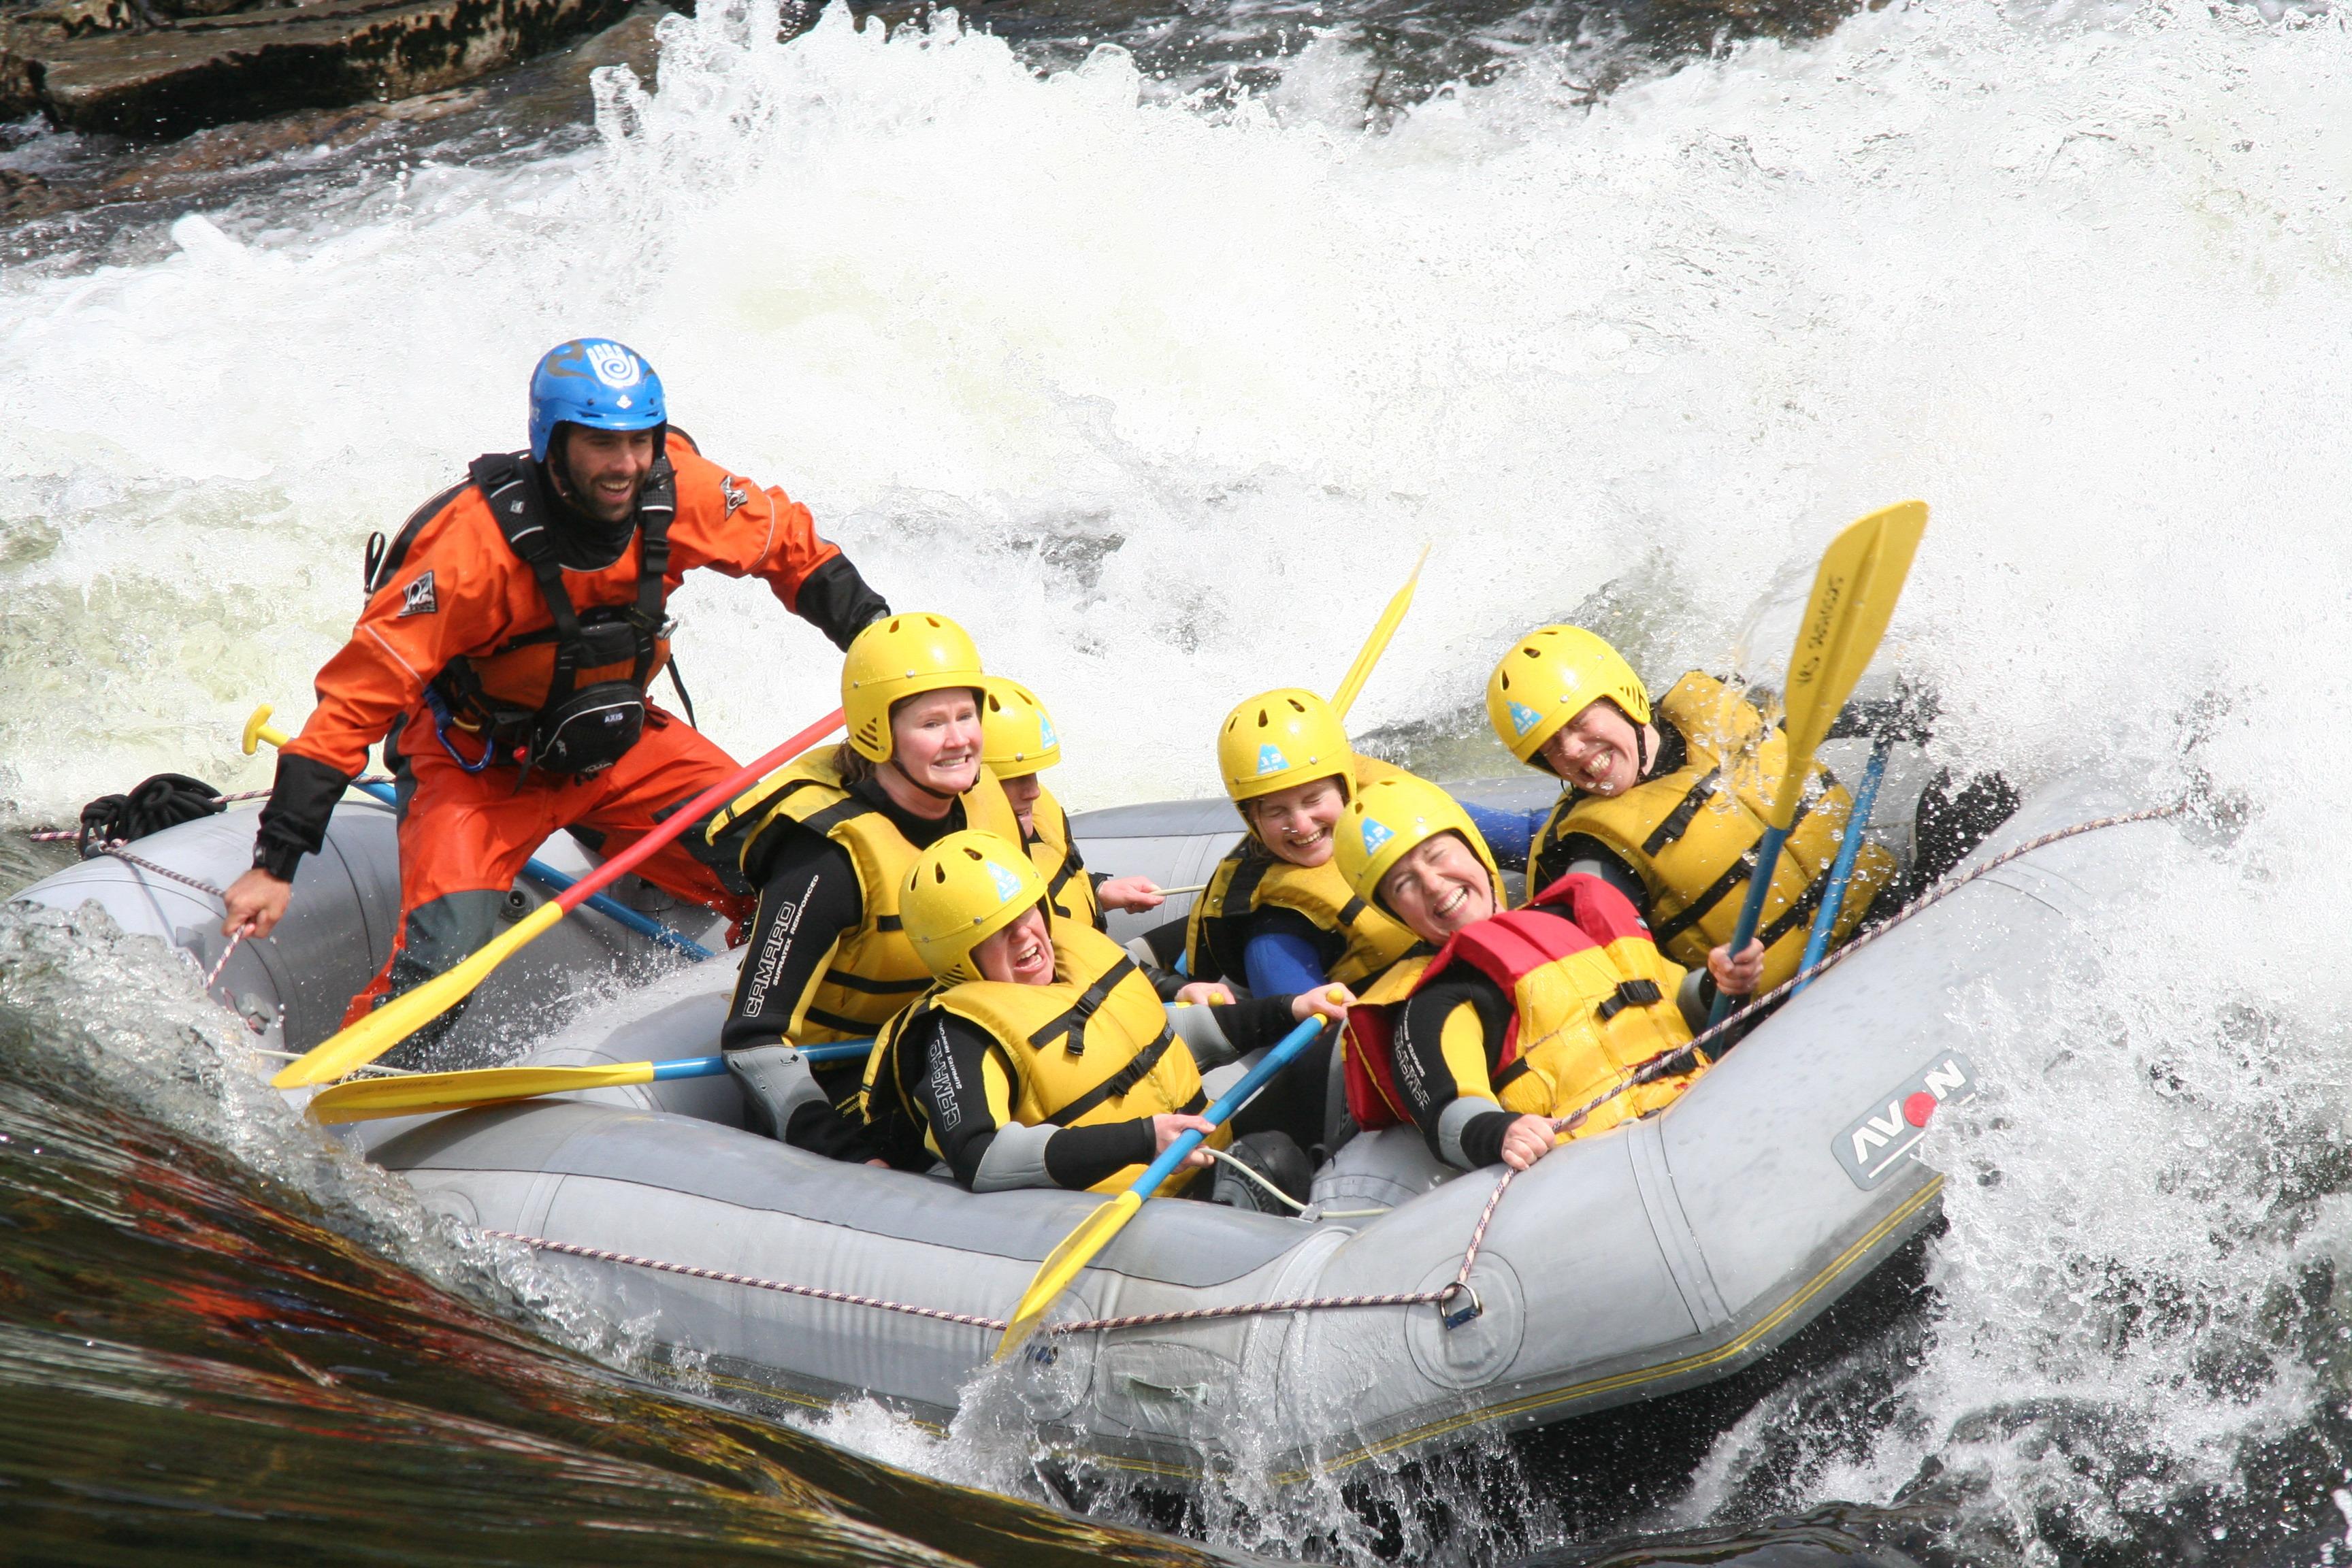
(540, 871)
(689, 1067)
(1258, 1078)
(1759, 882)
(712, 1067)
(1865, 796)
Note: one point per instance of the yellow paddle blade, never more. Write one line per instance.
(1062, 1266)
(412, 1010)
(413, 1094)
(1377, 643)
(1855, 590)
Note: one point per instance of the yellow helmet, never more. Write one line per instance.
(897, 658)
(1016, 734)
(959, 892)
(1550, 676)
(1388, 819)
(1279, 739)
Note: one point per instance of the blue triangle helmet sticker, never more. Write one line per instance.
(1008, 886)
(1270, 759)
(1524, 718)
(1375, 835)
(1046, 736)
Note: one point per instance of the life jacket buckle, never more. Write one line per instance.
(1456, 1317)
(1629, 993)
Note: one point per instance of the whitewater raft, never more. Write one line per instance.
(1626, 1266)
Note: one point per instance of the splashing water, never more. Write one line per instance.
(1160, 397)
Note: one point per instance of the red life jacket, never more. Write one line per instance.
(1576, 914)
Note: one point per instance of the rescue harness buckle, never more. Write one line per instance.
(577, 730)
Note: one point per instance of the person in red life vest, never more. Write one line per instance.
(1501, 1023)
(510, 633)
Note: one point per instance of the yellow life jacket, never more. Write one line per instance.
(1691, 835)
(1092, 1047)
(1593, 999)
(1251, 878)
(1069, 890)
(875, 971)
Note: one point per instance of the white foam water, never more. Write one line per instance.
(1160, 398)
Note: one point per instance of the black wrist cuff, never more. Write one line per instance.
(836, 601)
(1482, 1137)
(294, 821)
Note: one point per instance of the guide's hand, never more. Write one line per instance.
(257, 901)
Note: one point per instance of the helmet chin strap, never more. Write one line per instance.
(1641, 753)
(935, 794)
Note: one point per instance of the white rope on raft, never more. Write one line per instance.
(1460, 1284)
(1665, 1064)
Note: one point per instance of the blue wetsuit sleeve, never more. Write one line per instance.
(1508, 833)
(1280, 963)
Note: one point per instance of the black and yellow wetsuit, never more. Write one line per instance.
(1682, 843)
(827, 960)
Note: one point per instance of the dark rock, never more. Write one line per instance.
(24, 195)
(161, 80)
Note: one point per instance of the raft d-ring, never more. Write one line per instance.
(1455, 1317)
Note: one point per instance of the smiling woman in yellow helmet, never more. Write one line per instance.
(1042, 1058)
(1018, 742)
(1276, 915)
(1668, 804)
(828, 841)
(1500, 1022)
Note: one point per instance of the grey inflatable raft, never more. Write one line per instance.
(1628, 1265)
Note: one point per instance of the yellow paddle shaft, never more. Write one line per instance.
(1063, 1264)
(366, 1100)
(412, 1010)
(1377, 643)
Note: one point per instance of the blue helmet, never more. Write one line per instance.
(593, 382)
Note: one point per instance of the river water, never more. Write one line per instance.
(1154, 345)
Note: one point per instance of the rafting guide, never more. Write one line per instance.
(512, 630)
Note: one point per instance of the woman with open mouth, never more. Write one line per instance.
(1042, 1058)
(1277, 916)
(826, 841)
(1502, 1026)
(1666, 803)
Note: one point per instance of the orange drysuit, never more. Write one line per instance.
(451, 587)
